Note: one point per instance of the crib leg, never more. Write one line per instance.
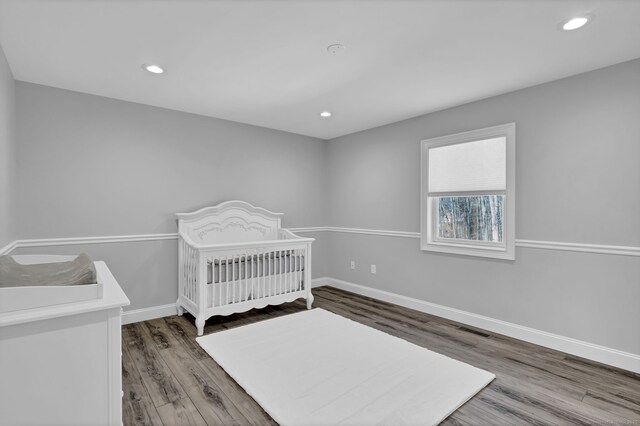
(179, 308)
(200, 325)
(309, 300)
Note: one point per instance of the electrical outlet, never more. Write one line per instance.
(353, 264)
(373, 269)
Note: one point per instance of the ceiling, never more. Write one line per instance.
(266, 62)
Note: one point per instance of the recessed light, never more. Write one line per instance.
(325, 114)
(155, 69)
(575, 23)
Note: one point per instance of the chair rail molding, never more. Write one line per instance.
(43, 242)
(535, 244)
(530, 244)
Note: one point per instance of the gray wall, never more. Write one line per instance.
(93, 166)
(8, 159)
(578, 180)
(90, 165)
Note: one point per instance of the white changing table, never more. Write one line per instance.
(61, 364)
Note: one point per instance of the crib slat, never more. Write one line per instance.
(290, 258)
(264, 273)
(299, 275)
(290, 275)
(260, 270)
(193, 275)
(283, 271)
(270, 270)
(190, 274)
(294, 274)
(242, 270)
(226, 278)
(246, 277)
(292, 266)
(187, 256)
(298, 267)
(253, 277)
(236, 281)
(218, 302)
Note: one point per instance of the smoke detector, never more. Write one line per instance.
(336, 48)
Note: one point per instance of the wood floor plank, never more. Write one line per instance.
(502, 365)
(176, 331)
(389, 320)
(250, 409)
(213, 405)
(593, 379)
(569, 410)
(452, 421)
(156, 376)
(620, 404)
(160, 335)
(181, 412)
(137, 406)
(186, 334)
(534, 385)
(422, 337)
(478, 415)
(603, 377)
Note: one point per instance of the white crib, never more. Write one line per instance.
(234, 257)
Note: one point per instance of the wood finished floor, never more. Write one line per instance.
(169, 380)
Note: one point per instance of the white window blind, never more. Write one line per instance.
(469, 166)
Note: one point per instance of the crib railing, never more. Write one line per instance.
(244, 274)
(188, 271)
(253, 274)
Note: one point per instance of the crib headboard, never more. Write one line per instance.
(230, 222)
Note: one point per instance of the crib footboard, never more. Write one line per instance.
(226, 280)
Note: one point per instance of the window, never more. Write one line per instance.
(468, 193)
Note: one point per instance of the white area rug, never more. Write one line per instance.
(318, 368)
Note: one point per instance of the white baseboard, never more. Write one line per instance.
(145, 314)
(8, 248)
(609, 356)
(319, 282)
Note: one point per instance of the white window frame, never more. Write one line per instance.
(428, 227)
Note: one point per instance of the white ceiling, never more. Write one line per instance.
(266, 63)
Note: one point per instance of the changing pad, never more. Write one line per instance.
(78, 271)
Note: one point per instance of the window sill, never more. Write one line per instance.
(468, 250)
